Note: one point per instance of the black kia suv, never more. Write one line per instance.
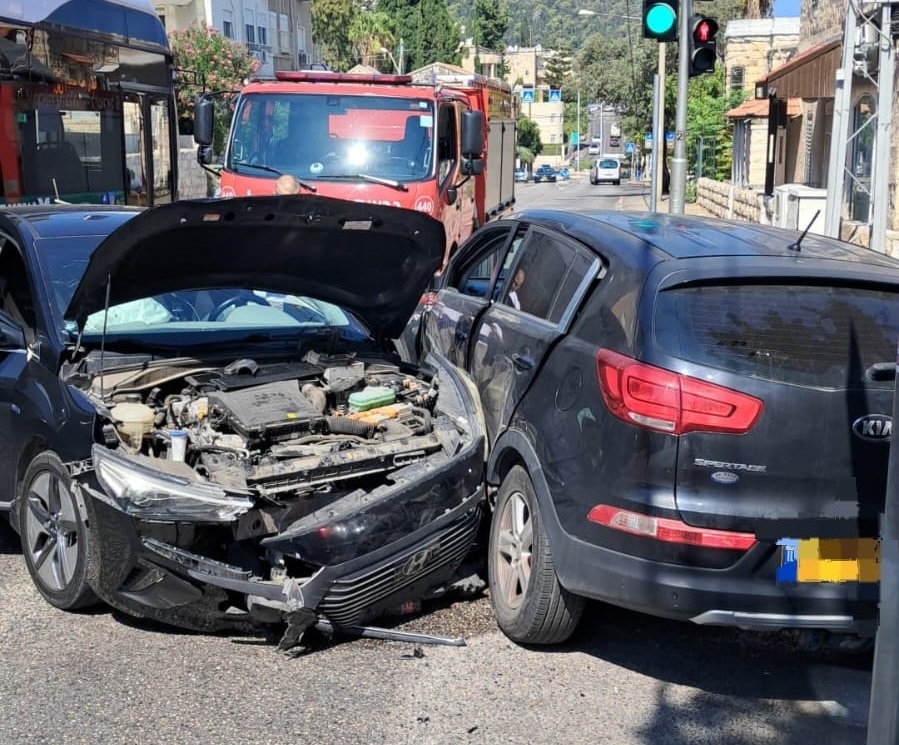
(687, 417)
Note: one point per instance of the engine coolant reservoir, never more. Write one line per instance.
(133, 421)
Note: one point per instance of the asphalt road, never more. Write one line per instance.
(627, 679)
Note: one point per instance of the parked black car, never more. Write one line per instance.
(205, 423)
(667, 397)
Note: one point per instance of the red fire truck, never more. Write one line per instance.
(446, 148)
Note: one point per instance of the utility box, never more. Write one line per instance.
(796, 205)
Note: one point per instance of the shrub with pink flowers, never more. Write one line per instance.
(203, 55)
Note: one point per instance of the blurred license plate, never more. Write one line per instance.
(829, 560)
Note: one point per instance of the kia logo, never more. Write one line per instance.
(877, 427)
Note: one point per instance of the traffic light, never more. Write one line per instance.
(703, 47)
(660, 19)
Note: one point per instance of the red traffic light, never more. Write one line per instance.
(705, 30)
(703, 45)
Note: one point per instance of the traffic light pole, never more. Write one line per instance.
(678, 186)
(658, 132)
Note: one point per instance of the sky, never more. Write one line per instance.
(786, 8)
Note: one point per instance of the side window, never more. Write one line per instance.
(16, 298)
(474, 276)
(546, 277)
(446, 143)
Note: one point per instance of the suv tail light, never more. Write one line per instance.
(666, 401)
(668, 530)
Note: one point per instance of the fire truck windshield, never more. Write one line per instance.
(334, 136)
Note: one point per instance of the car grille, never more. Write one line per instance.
(349, 598)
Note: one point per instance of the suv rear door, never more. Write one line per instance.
(815, 461)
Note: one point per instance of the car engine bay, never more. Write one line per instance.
(293, 437)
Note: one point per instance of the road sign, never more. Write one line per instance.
(527, 95)
(555, 95)
(575, 138)
(628, 147)
(669, 137)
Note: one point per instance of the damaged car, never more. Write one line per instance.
(208, 423)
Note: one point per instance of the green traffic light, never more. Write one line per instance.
(660, 19)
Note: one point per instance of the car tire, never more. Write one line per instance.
(55, 539)
(530, 605)
(618, 183)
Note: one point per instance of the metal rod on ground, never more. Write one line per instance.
(678, 185)
(883, 714)
(393, 635)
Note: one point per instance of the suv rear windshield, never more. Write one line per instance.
(608, 164)
(803, 334)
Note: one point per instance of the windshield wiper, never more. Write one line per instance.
(392, 183)
(261, 167)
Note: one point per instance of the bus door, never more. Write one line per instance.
(149, 150)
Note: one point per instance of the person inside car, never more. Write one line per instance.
(517, 281)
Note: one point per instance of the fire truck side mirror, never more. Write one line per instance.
(472, 143)
(203, 114)
(204, 155)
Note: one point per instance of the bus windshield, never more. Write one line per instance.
(316, 136)
(87, 111)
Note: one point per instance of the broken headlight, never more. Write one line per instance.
(152, 495)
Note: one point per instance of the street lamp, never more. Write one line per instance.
(397, 67)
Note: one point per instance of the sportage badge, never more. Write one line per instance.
(875, 427)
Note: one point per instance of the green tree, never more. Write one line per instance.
(331, 24)
(557, 69)
(429, 32)
(207, 61)
(491, 18)
(529, 135)
(707, 103)
(370, 31)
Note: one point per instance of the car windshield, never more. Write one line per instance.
(608, 164)
(188, 317)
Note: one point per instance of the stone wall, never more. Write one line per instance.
(191, 177)
(734, 202)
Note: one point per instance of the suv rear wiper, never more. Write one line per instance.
(262, 167)
(392, 183)
(881, 371)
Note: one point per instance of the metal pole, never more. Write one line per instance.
(883, 713)
(658, 134)
(654, 164)
(577, 156)
(836, 176)
(401, 62)
(678, 186)
(880, 183)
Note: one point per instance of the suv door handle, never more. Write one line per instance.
(521, 362)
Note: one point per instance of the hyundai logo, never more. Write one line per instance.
(876, 427)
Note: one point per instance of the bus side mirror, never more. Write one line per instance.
(203, 116)
(472, 143)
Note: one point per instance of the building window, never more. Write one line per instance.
(262, 35)
(228, 29)
(162, 18)
(301, 39)
(736, 78)
(249, 25)
(283, 32)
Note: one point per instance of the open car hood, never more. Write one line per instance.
(373, 260)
